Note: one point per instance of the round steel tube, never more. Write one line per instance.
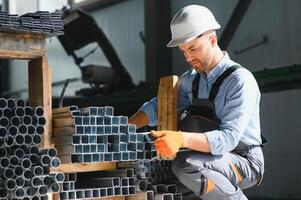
(40, 129)
(36, 139)
(18, 111)
(35, 159)
(19, 153)
(54, 188)
(8, 173)
(4, 121)
(42, 190)
(36, 197)
(3, 152)
(38, 111)
(3, 193)
(21, 102)
(31, 129)
(22, 128)
(36, 182)
(37, 171)
(55, 162)
(28, 110)
(26, 163)
(45, 160)
(9, 141)
(27, 140)
(20, 182)
(19, 193)
(3, 103)
(11, 103)
(10, 184)
(27, 120)
(16, 121)
(13, 130)
(4, 163)
(51, 152)
(41, 121)
(19, 140)
(45, 197)
(27, 174)
(30, 191)
(6, 112)
(14, 161)
(18, 171)
(3, 132)
(33, 150)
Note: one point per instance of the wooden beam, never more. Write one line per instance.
(21, 46)
(84, 167)
(167, 103)
(40, 93)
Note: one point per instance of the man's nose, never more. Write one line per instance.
(188, 57)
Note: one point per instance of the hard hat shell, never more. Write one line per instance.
(190, 22)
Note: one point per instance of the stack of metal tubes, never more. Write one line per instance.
(89, 185)
(94, 134)
(24, 168)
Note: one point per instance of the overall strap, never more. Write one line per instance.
(216, 85)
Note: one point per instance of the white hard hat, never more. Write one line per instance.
(190, 22)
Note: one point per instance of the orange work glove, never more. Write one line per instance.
(168, 142)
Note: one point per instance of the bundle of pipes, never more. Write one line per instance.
(156, 176)
(98, 184)
(94, 134)
(24, 168)
(41, 22)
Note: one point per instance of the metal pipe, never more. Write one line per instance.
(6, 112)
(36, 197)
(38, 111)
(36, 182)
(3, 152)
(54, 188)
(26, 163)
(42, 190)
(3, 103)
(3, 132)
(4, 163)
(30, 191)
(19, 140)
(18, 171)
(3, 193)
(16, 121)
(14, 161)
(10, 184)
(40, 129)
(37, 171)
(27, 139)
(19, 153)
(18, 111)
(13, 130)
(20, 182)
(4, 121)
(31, 129)
(18, 193)
(45, 160)
(11, 103)
(33, 150)
(45, 197)
(41, 121)
(22, 129)
(88, 194)
(8, 173)
(28, 174)
(55, 163)
(27, 120)
(36, 139)
(28, 110)
(51, 152)
(21, 102)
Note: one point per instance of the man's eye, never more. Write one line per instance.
(192, 50)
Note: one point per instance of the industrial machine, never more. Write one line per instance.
(80, 30)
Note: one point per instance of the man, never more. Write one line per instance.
(222, 97)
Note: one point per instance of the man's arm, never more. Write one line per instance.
(140, 119)
(196, 141)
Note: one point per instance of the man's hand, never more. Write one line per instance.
(168, 142)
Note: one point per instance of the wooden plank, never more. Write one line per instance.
(40, 93)
(21, 46)
(84, 167)
(64, 109)
(167, 103)
(63, 122)
(148, 195)
(63, 131)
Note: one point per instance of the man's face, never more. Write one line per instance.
(198, 52)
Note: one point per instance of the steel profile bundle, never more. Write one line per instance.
(25, 168)
(94, 134)
(98, 184)
(40, 22)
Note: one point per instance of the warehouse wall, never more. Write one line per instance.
(120, 22)
(280, 111)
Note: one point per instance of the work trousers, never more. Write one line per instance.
(230, 172)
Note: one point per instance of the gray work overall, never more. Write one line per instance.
(239, 169)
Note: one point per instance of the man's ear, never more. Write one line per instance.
(213, 40)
